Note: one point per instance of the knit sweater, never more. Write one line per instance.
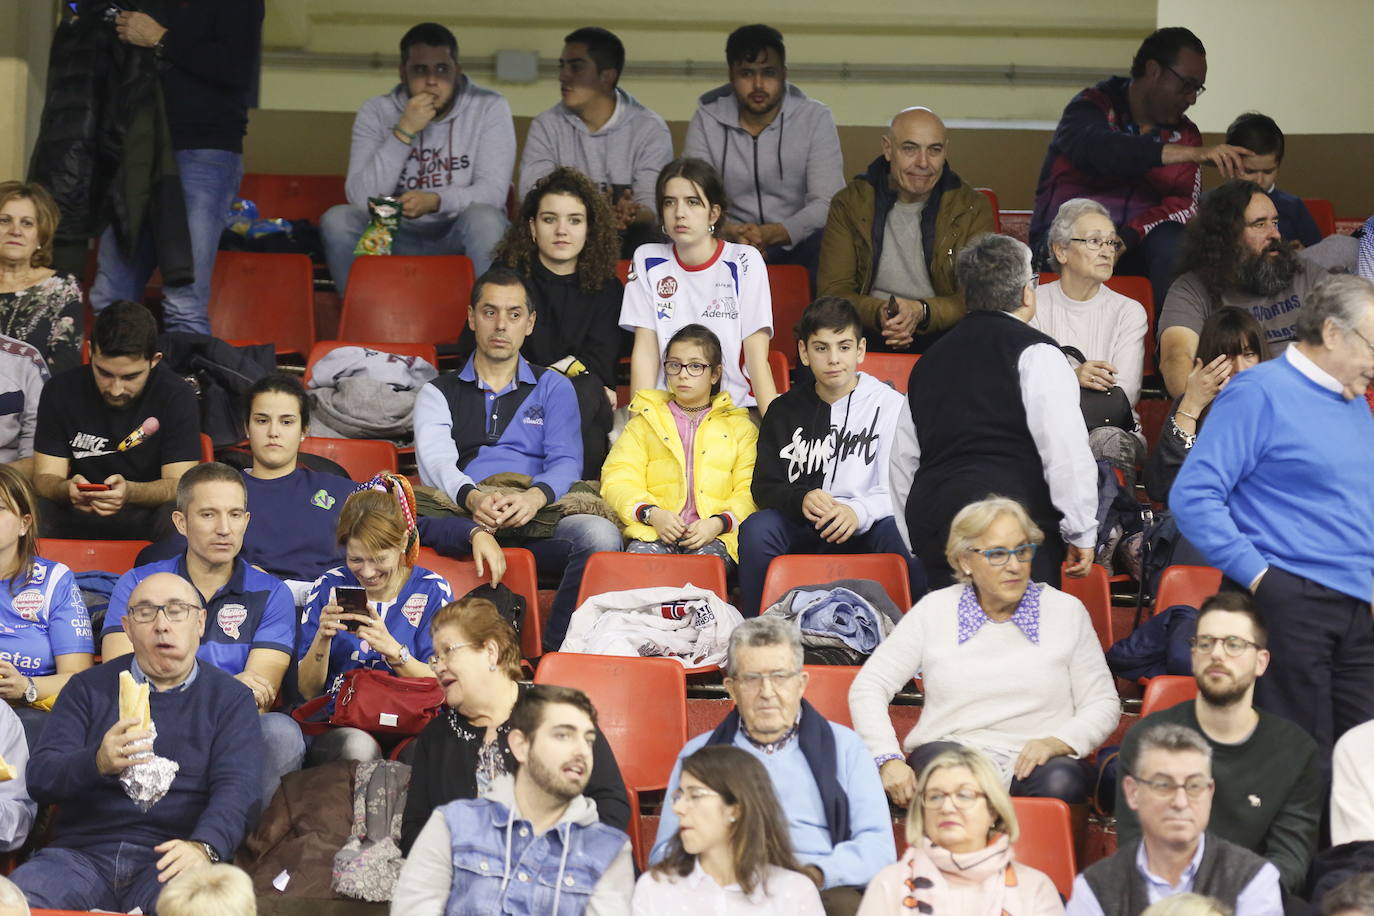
(210, 729)
(997, 690)
(1109, 326)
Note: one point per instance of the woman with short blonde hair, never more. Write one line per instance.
(39, 305)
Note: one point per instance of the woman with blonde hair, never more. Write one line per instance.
(1188, 905)
(209, 890)
(38, 305)
(960, 829)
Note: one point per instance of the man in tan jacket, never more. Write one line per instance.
(893, 234)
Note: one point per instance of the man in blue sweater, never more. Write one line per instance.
(110, 853)
(1276, 495)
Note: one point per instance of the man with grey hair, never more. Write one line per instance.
(1276, 496)
(964, 435)
(892, 234)
(1168, 784)
(822, 773)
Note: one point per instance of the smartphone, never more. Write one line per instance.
(353, 600)
(92, 487)
(892, 309)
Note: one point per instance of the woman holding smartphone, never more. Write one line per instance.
(386, 626)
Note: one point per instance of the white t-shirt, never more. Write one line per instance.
(728, 294)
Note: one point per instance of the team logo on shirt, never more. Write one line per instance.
(665, 310)
(414, 609)
(230, 618)
(322, 500)
(535, 415)
(28, 603)
(667, 287)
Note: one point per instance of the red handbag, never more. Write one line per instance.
(379, 703)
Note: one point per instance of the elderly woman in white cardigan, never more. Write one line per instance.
(1011, 668)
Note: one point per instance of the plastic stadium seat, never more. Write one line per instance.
(1323, 214)
(91, 556)
(1139, 289)
(1094, 590)
(1167, 690)
(641, 707)
(521, 578)
(622, 270)
(828, 691)
(1046, 841)
(615, 572)
(207, 448)
(791, 570)
(636, 831)
(293, 196)
(1153, 413)
(260, 297)
(1189, 585)
(991, 195)
(423, 350)
(790, 285)
(893, 368)
(361, 458)
(416, 298)
(782, 381)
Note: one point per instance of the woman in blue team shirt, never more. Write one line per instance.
(45, 632)
(377, 531)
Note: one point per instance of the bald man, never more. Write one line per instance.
(894, 231)
(109, 853)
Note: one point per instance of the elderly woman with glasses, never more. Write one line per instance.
(1011, 667)
(1106, 328)
(961, 828)
(464, 751)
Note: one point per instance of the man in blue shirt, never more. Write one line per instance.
(499, 414)
(1275, 494)
(251, 617)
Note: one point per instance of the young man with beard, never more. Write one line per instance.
(1269, 792)
(534, 841)
(1232, 254)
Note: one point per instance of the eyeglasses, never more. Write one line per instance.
(1190, 85)
(1365, 339)
(963, 799)
(1096, 244)
(692, 796)
(1167, 788)
(176, 611)
(1034, 280)
(1234, 645)
(675, 367)
(753, 683)
(444, 654)
(998, 556)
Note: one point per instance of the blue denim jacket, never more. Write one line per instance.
(501, 866)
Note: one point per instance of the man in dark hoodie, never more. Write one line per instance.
(821, 477)
(894, 231)
(779, 191)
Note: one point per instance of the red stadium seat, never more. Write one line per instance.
(636, 831)
(418, 298)
(641, 707)
(361, 458)
(1094, 590)
(1323, 214)
(422, 350)
(1046, 841)
(791, 570)
(1154, 413)
(893, 368)
(92, 556)
(1189, 585)
(622, 270)
(1167, 690)
(260, 297)
(991, 195)
(207, 449)
(521, 577)
(791, 290)
(778, 364)
(828, 691)
(614, 572)
(292, 197)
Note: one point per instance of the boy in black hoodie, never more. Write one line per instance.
(821, 479)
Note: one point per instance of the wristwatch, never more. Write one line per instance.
(644, 513)
(31, 691)
(209, 852)
(402, 658)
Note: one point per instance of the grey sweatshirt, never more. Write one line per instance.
(627, 152)
(466, 157)
(786, 175)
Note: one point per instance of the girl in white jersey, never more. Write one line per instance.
(699, 279)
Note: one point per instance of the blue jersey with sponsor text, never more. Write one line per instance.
(42, 619)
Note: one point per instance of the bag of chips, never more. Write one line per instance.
(385, 213)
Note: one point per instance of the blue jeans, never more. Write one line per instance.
(575, 539)
(283, 751)
(768, 533)
(475, 232)
(209, 180)
(112, 876)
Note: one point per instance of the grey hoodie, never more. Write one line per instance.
(786, 175)
(628, 152)
(466, 156)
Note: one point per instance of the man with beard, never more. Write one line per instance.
(1232, 254)
(530, 841)
(1269, 793)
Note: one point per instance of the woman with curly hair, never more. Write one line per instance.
(566, 245)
